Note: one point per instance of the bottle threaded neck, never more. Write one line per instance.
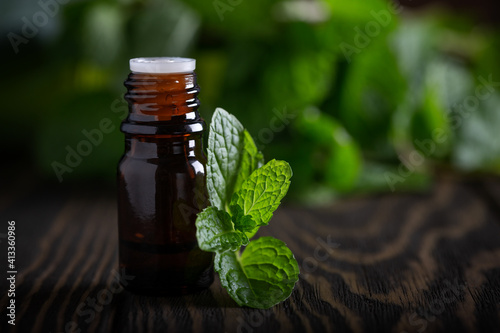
(162, 103)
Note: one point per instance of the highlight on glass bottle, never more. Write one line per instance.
(162, 180)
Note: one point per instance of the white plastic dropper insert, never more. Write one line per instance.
(163, 65)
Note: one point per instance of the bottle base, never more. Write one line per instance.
(161, 284)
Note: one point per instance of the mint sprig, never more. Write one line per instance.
(244, 193)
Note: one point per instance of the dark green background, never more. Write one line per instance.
(389, 116)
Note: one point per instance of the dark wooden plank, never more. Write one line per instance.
(392, 263)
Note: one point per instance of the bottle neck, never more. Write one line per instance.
(148, 147)
(162, 104)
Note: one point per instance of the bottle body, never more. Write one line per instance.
(162, 186)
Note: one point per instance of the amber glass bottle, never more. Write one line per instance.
(161, 180)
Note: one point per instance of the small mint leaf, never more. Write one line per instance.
(261, 194)
(215, 231)
(225, 148)
(251, 159)
(241, 221)
(251, 233)
(263, 276)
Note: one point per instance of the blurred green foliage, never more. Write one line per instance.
(364, 89)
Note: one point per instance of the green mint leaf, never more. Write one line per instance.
(241, 221)
(261, 193)
(215, 231)
(225, 148)
(263, 276)
(251, 160)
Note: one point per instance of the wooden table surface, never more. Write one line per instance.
(386, 263)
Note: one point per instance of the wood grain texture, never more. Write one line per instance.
(390, 263)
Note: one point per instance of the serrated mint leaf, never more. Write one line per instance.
(225, 148)
(215, 231)
(263, 276)
(261, 193)
(251, 159)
